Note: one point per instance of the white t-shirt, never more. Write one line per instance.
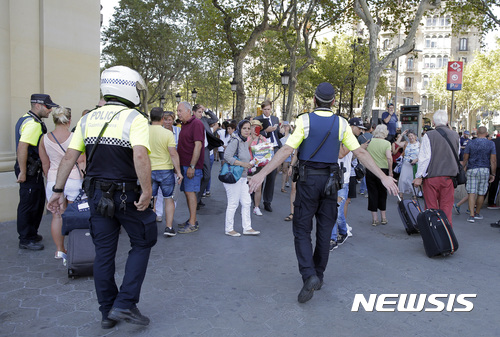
(224, 138)
(346, 160)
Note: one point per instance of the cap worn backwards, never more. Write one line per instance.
(43, 99)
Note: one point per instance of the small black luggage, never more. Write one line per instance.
(437, 233)
(408, 211)
(81, 253)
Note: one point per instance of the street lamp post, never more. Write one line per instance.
(162, 101)
(234, 85)
(194, 93)
(178, 98)
(285, 77)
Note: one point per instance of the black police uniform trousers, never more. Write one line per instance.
(142, 231)
(206, 173)
(310, 202)
(30, 208)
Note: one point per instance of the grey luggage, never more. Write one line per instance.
(81, 253)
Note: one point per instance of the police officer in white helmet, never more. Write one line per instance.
(115, 138)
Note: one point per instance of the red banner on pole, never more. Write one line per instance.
(455, 72)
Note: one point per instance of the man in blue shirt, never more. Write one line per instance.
(480, 162)
(463, 143)
(390, 119)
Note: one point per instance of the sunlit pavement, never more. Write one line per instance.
(209, 284)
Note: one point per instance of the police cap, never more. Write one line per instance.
(43, 99)
(325, 92)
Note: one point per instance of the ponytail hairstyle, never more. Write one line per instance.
(61, 115)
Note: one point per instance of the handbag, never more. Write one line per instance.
(76, 215)
(213, 141)
(230, 174)
(262, 153)
(360, 171)
(461, 177)
(399, 165)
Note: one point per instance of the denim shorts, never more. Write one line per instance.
(165, 180)
(191, 185)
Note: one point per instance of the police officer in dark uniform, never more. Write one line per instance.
(28, 170)
(117, 159)
(318, 136)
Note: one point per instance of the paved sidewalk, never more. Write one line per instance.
(210, 284)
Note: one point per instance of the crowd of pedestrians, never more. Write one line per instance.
(321, 162)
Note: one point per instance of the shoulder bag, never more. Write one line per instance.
(230, 174)
(461, 177)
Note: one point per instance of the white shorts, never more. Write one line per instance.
(71, 190)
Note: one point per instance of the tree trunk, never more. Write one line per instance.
(377, 66)
(240, 88)
(371, 87)
(292, 84)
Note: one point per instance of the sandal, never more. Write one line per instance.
(283, 190)
(289, 217)
(384, 222)
(374, 222)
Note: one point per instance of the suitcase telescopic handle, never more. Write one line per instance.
(416, 196)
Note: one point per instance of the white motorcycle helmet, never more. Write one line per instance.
(122, 83)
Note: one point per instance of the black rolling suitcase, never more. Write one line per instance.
(81, 253)
(408, 211)
(437, 233)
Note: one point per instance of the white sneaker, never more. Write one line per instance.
(257, 211)
(349, 229)
(251, 232)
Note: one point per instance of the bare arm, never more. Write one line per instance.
(22, 158)
(400, 140)
(493, 163)
(294, 160)
(366, 159)
(343, 151)
(387, 119)
(198, 146)
(142, 166)
(213, 118)
(57, 202)
(278, 158)
(177, 166)
(466, 159)
(44, 157)
(389, 160)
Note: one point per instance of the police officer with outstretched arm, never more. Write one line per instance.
(318, 136)
(115, 138)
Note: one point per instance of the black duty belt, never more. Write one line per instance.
(123, 186)
(317, 172)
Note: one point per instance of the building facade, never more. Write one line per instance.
(435, 45)
(46, 46)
